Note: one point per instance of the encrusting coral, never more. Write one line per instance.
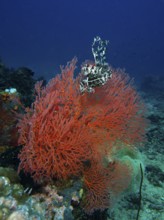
(68, 133)
(9, 106)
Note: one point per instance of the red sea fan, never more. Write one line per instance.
(116, 110)
(115, 113)
(56, 143)
(65, 130)
(96, 185)
(104, 184)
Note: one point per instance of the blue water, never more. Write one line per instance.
(43, 34)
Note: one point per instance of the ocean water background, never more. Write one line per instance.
(43, 34)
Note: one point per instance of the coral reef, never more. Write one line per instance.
(79, 130)
(64, 132)
(16, 203)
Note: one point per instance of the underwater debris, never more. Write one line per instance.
(97, 73)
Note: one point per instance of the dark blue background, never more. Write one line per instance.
(43, 34)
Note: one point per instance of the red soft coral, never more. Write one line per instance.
(96, 185)
(116, 110)
(65, 130)
(57, 141)
(104, 184)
